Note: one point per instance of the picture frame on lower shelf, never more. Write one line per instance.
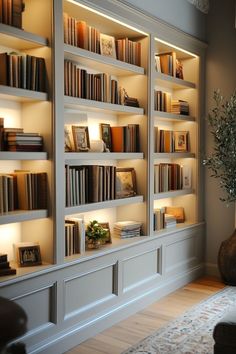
(29, 256)
(106, 226)
(125, 182)
(181, 141)
(81, 138)
(106, 134)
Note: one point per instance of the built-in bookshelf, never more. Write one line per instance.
(25, 104)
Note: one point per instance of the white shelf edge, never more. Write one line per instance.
(22, 215)
(174, 117)
(174, 155)
(76, 156)
(176, 82)
(22, 95)
(23, 35)
(178, 228)
(76, 103)
(74, 52)
(103, 205)
(172, 194)
(21, 155)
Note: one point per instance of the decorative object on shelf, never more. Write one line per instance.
(126, 100)
(105, 130)
(97, 146)
(125, 182)
(221, 162)
(177, 212)
(187, 177)
(107, 238)
(179, 69)
(68, 139)
(107, 45)
(127, 229)
(28, 255)
(5, 268)
(95, 234)
(81, 138)
(181, 141)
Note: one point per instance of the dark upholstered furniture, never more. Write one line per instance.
(224, 334)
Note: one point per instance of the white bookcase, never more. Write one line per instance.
(74, 297)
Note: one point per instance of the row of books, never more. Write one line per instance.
(166, 217)
(23, 190)
(127, 229)
(171, 141)
(74, 236)
(11, 12)
(123, 139)
(164, 103)
(89, 184)
(168, 64)
(79, 83)
(171, 177)
(22, 71)
(79, 34)
(14, 139)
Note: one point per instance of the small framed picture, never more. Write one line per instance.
(125, 182)
(106, 135)
(29, 256)
(68, 141)
(187, 177)
(106, 226)
(181, 141)
(81, 138)
(107, 45)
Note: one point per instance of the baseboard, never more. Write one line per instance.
(212, 270)
(71, 337)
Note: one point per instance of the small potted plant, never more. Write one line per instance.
(95, 234)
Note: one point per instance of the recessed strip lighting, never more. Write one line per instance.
(108, 17)
(174, 46)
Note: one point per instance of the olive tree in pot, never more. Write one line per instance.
(222, 163)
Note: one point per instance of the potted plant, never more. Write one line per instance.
(222, 163)
(95, 234)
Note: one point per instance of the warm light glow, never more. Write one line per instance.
(108, 17)
(178, 48)
(10, 234)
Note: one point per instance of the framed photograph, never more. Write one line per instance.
(106, 226)
(81, 138)
(107, 45)
(68, 140)
(106, 135)
(187, 177)
(125, 182)
(29, 256)
(181, 141)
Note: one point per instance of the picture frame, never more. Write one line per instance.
(107, 45)
(106, 226)
(125, 182)
(80, 138)
(181, 141)
(105, 130)
(29, 256)
(68, 140)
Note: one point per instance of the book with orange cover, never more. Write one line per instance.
(117, 139)
(82, 35)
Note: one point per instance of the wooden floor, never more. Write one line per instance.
(128, 332)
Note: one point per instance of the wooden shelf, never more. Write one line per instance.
(172, 82)
(177, 228)
(91, 105)
(173, 117)
(103, 205)
(21, 95)
(172, 194)
(22, 215)
(173, 155)
(17, 38)
(77, 156)
(100, 62)
(9, 155)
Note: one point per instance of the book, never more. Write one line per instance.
(17, 9)
(3, 257)
(177, 212)
(3, 69)
(117, 139)
(7, 271)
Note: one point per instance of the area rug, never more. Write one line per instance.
(190, 333)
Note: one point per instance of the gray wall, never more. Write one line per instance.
(178, 13)
(220, 73)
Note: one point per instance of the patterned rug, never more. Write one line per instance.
(190, 333)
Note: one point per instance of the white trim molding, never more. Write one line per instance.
(202, 5)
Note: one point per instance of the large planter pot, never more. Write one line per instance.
(227, 260)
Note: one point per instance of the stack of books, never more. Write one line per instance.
(127, 229)
(74, 236)
(179, 107)
(19, 141)
(170, 221)
(5, 268)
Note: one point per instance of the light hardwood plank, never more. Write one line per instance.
(135, 328)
